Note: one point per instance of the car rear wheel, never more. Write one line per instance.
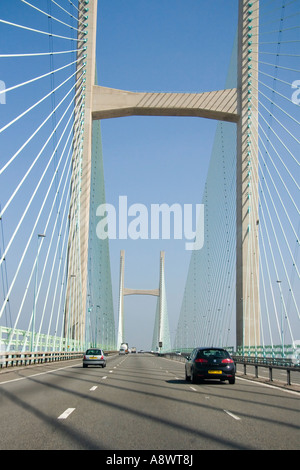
(187, 378)
(194, 378)
(232, 381)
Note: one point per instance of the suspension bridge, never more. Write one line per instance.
(242, 286)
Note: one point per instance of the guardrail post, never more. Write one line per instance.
(271, 374)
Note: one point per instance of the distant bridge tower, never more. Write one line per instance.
(161, 338)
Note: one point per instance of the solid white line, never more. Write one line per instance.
(268, 385)
(232, 415)
(93, 388)
(66, 413)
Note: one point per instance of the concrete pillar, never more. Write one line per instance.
(247, 249)
(76, 297)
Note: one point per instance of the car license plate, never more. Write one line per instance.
(93, 358)
(215, 372)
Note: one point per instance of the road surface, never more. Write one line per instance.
(140, 401)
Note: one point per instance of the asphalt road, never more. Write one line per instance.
(140, 402)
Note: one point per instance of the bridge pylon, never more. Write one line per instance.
(238, 105)
(161, 338)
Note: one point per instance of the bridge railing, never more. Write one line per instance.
(13, 358)
(12, 339)
(269, 363)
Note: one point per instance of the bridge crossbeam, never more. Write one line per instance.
(109, 103)
(141, 292)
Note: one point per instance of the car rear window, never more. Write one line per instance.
(94, 352)
(212, 353)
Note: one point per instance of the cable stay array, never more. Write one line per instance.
(208, 310)
(40, 166)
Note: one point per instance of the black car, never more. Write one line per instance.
(210, 363)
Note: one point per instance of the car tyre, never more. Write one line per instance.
(194, 378)
(232, 381)
(187, 378)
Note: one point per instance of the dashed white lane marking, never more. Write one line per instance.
(93, 388)
(105, 377)
(194, 389)
(66, 413)
(232, 415)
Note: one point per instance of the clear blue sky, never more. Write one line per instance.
(144, 45)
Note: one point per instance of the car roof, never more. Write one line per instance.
(211, 349)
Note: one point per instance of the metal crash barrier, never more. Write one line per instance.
(12, 358)
(268, 363)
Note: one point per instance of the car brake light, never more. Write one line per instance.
(101, 357)
(201, 360)
(227, 361)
